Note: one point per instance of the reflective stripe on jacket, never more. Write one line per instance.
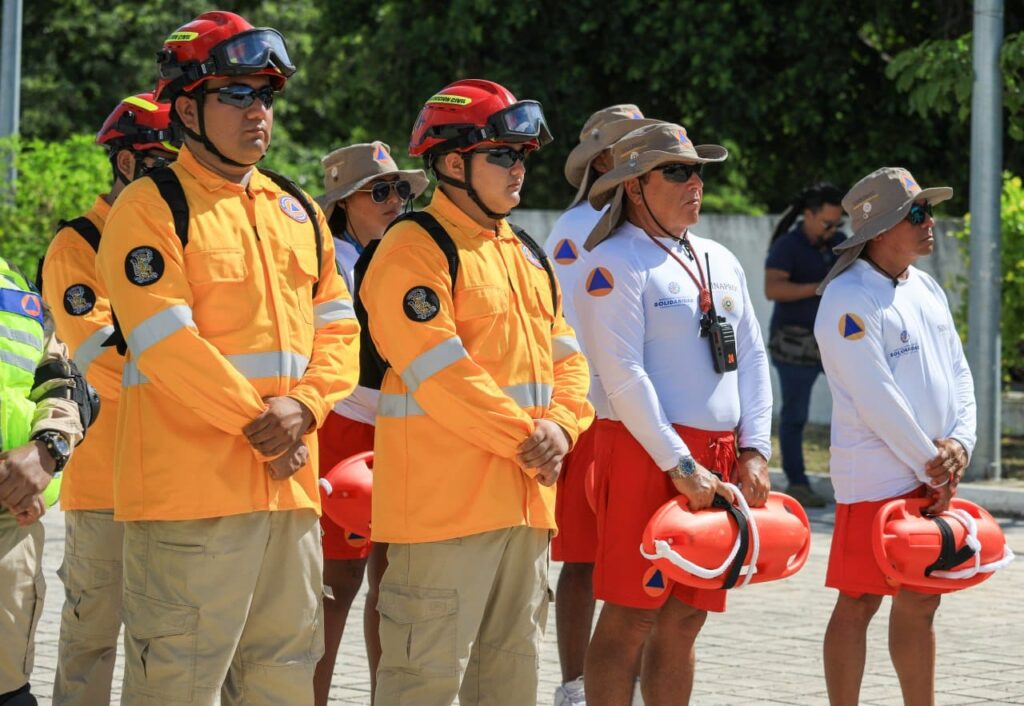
(467, 380)
(211, 332)
(81, 314)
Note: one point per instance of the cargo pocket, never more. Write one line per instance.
(37, 612)
(92, 591)
(303, 273)
(160, 657)
(224, 301)
(482, 312)
(418, 629)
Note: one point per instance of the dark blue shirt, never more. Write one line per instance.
(805, 263)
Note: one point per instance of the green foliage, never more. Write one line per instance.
(1012, 248)
(55, 180)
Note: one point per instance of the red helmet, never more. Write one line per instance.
(471, 111)
(139, 123)
(220, 44)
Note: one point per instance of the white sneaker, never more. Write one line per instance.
(638, 699)
(571, 693)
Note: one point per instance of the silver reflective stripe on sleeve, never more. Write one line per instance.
(158, 327)
(334, 310)
(18, 361)
(269, 364)
(528, 394)
(131, 375)
(433, 361)
(92, 347)
(24, 337)
(564, 346)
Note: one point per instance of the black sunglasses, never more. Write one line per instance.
(680, 172)
(240, 95)
(505, 157)
(919, 212)
(155, 162)
(380, 191)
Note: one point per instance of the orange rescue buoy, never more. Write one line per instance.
(713, 548)
(951, 551)
(345, 493)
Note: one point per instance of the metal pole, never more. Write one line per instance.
(984, 340)
(10, 78)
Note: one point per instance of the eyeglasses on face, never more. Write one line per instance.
(919, 213)
(380, 191)
(240, 95)
(504, 157)
(680, 172)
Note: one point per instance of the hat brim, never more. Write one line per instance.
(577, 164)
(417, 178)
(608, 221)
(934, 195)
(603, 189)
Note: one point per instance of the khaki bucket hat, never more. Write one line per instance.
(600, 132)
(637, 153)
(875, 204)
(350, 168)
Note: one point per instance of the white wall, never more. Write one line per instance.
(747, 237)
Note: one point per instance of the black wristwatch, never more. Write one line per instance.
(744, 449)
(57, 446)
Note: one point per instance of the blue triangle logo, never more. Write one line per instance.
(565, 251)
(381, 154)
(353, 535)
(598, 281)
(656, 581)
(850, 327)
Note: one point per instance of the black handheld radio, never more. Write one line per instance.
(718, 331)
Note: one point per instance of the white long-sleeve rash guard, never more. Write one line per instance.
(361, 405)
(565, 248)
(898, 377)
(640, 320)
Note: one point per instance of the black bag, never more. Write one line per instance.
(794, 345)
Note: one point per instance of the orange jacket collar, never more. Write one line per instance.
(99, 211)
(447, 209)
(212, 181)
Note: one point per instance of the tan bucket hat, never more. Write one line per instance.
(350, 168)
(600, 132)
(637, 153)
(875, 204)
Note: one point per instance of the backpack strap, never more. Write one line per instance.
(299, 195)
(169, 186)
(439, 235)
(542, 257)
(85, 228)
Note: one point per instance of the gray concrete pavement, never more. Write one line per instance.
(765, 650)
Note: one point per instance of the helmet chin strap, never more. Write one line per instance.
(467, 186)
(201, 136)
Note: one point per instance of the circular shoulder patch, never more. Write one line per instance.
(600, 282)
(293, 208)
(144, 266)
(851, 327)
(531, 257)
(566, 252)
(421, 304)
(79, 299)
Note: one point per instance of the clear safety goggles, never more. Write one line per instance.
(521, 122)
(244, 53)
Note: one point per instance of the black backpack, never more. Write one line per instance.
(85, 228)
(169, 186)
(372, 364)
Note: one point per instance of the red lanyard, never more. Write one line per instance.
(705, 293)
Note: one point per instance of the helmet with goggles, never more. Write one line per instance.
(139, 123)
(472, 111)
(219, 44)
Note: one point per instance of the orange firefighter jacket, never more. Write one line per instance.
(81, 314)
(469, 374)
(211, 332)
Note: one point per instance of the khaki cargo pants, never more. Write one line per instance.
(228, 606)
(21, 599)
(91, 619)
(464, 616)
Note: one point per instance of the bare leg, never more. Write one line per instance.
(912, 645)
(846, 647)
(614, 652)
(574, 613)
(669, 656)
(378, 561)
(344, 578)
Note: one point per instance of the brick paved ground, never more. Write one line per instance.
(765, 650)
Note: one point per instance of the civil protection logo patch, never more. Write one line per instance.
(600, 282)
(79, 299)
(851, 327)
(566, 252)
(531, 257)
(355, 540)
(293, 209)
(654, 582)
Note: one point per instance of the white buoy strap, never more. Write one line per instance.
(971, 540)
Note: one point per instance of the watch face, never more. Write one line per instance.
(61, 446)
